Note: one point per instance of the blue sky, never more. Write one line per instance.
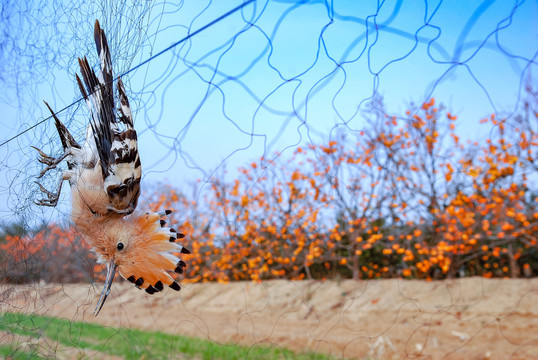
(237, 91)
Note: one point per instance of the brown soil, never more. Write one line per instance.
(472, 318)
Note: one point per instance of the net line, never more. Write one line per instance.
(138, 66)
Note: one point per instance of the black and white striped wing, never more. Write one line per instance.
(123, 182)
(113, 130)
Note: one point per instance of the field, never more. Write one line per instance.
(472, 318)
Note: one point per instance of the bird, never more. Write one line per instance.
(104, 175)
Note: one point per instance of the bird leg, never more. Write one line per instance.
(50, 161)
(52, 197)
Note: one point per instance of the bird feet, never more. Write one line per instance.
(50, 161)
(52, 198)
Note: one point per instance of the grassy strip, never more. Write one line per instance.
(8, 352)
(133, 343)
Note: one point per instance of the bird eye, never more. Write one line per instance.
(120, 246)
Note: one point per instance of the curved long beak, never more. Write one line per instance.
(111, 271)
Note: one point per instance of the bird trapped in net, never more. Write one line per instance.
(104, 175)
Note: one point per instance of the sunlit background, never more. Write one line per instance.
(270, 77)
(384, 152)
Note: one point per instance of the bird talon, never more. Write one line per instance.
(44, 171)
(44, 158)
(41, 153)
(50, 161)
(44, 202)
(42, 188)
(52, 198)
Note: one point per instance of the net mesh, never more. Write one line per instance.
(296, 140)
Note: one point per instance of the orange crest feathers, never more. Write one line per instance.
(153, 254)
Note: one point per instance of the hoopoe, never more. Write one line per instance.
(104, 175)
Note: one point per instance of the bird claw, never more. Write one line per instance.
(50, 161)
(44, 158)
(52, 198)
(44, 171)
(44, 202)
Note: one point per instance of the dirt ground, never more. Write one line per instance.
(472, 318)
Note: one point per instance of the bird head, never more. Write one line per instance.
(142, 248)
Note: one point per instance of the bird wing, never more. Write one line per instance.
(113, 130)
(66, 138)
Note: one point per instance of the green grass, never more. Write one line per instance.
(131, 343)
(9, 352)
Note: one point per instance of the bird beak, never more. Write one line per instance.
(111, 271)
